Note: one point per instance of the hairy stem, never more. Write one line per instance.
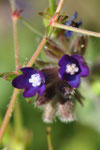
(48, 131)
(30, 27)
(8, 113)
(60, 5)
(15, 42)
(78, 30)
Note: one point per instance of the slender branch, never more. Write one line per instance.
(58, 25)
(35, 55)
(8, 113)
(30, 27)
(48, 131)
(60, 5)
(15, 42)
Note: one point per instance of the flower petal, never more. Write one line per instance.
(74, 16)
(42, 89)
(20, 82)
(29, 92)
(68, 34)
(42, 76)
(27, 71)
(78, 23)
(78, 57)
(70, 21)
(76, 82)
(65, 76)
(85, 71)
(61, 73)
(64, 60)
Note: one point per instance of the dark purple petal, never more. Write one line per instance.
(64, 60)
(29, 92)
(20, 82)
(76, 82)
(65, 76)
(68, 34)
(68, 23)
(62, 73)
(42, 76)
(74, 16)
(78, 57)
(42, 89)
(78, 23)
(28, 71)
(85, 71)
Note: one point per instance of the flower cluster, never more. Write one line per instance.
(33, 81)
(71, 22)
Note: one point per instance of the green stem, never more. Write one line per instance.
(48, 131)
(61, 26)
(30, 27)
(52, 4)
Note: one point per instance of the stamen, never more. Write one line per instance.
(71, 68)
(35, 80)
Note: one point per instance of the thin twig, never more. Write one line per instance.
(8, 113)
(58, 25)
(48, 132)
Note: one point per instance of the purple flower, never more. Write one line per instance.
(71, 22)
(32, 81)
(72, 68)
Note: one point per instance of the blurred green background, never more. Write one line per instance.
(79, 135)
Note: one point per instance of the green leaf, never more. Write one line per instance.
(45, 15)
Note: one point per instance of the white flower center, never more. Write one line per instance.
(35, 80)
(71, 68)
